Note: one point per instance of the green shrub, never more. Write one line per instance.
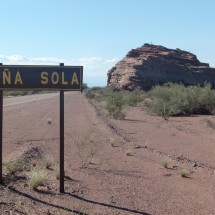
(36, 178)
(184, 173)
(48, 161)
(15, 166)
(112, 142)
(115, 107)
(175, 99)
(89, 94)
(165, 163)
(134, 97)
(96, 88)
(167, 100)
(106, 93)
(100, 93)
(129, 152)
(163, 108)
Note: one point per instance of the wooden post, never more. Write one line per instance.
(61, 139)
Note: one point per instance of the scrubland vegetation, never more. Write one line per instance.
(116, 101)
(25, 92)
(167, 100)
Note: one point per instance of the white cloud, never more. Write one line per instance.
(18, 59)
(114, 60)
(90, 60)
(94, 67)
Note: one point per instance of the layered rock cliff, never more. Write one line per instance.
(151, 65)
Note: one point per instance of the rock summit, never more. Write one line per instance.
(151, 65)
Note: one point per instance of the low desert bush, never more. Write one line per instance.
(115, 107)
(116, 100)
(134, 97)
(88, 146)
(165, 163)
(48, 161)
(129, 152)
(176, 99)
(184, 173)
(106, 93)
(89, 94)
(100, 93)
(57, 173)
(15, 166)
(112, 142)
(6, 195)
(167, 100)
(36, 178)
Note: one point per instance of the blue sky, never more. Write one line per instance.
(98, 33)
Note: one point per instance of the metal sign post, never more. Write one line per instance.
(1, 128)
(62, 139)
(40, 78)
(1, 132)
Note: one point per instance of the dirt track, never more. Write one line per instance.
(112, 167)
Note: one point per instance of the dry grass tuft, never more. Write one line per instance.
(129, 152)
(15, 166)
(49, 121)
(184, 173)
(48, 161)
(165, 163)
(36, 178)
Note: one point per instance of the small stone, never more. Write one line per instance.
(137, 147)
(167, 174)
(195, 165)
(174, 167)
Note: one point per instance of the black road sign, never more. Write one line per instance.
(41, 77)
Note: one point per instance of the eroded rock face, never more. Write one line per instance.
(151, 65)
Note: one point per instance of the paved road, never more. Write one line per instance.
(9, 101)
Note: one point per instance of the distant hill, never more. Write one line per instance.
(151, 65)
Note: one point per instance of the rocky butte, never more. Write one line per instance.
(151, 65)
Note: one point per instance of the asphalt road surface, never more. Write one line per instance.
(10, 101)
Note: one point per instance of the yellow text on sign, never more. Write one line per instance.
(6, 77)
(54, 78)
(45, 78)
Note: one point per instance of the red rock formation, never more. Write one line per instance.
(150, 65)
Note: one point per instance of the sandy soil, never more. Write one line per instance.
(112, 166)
